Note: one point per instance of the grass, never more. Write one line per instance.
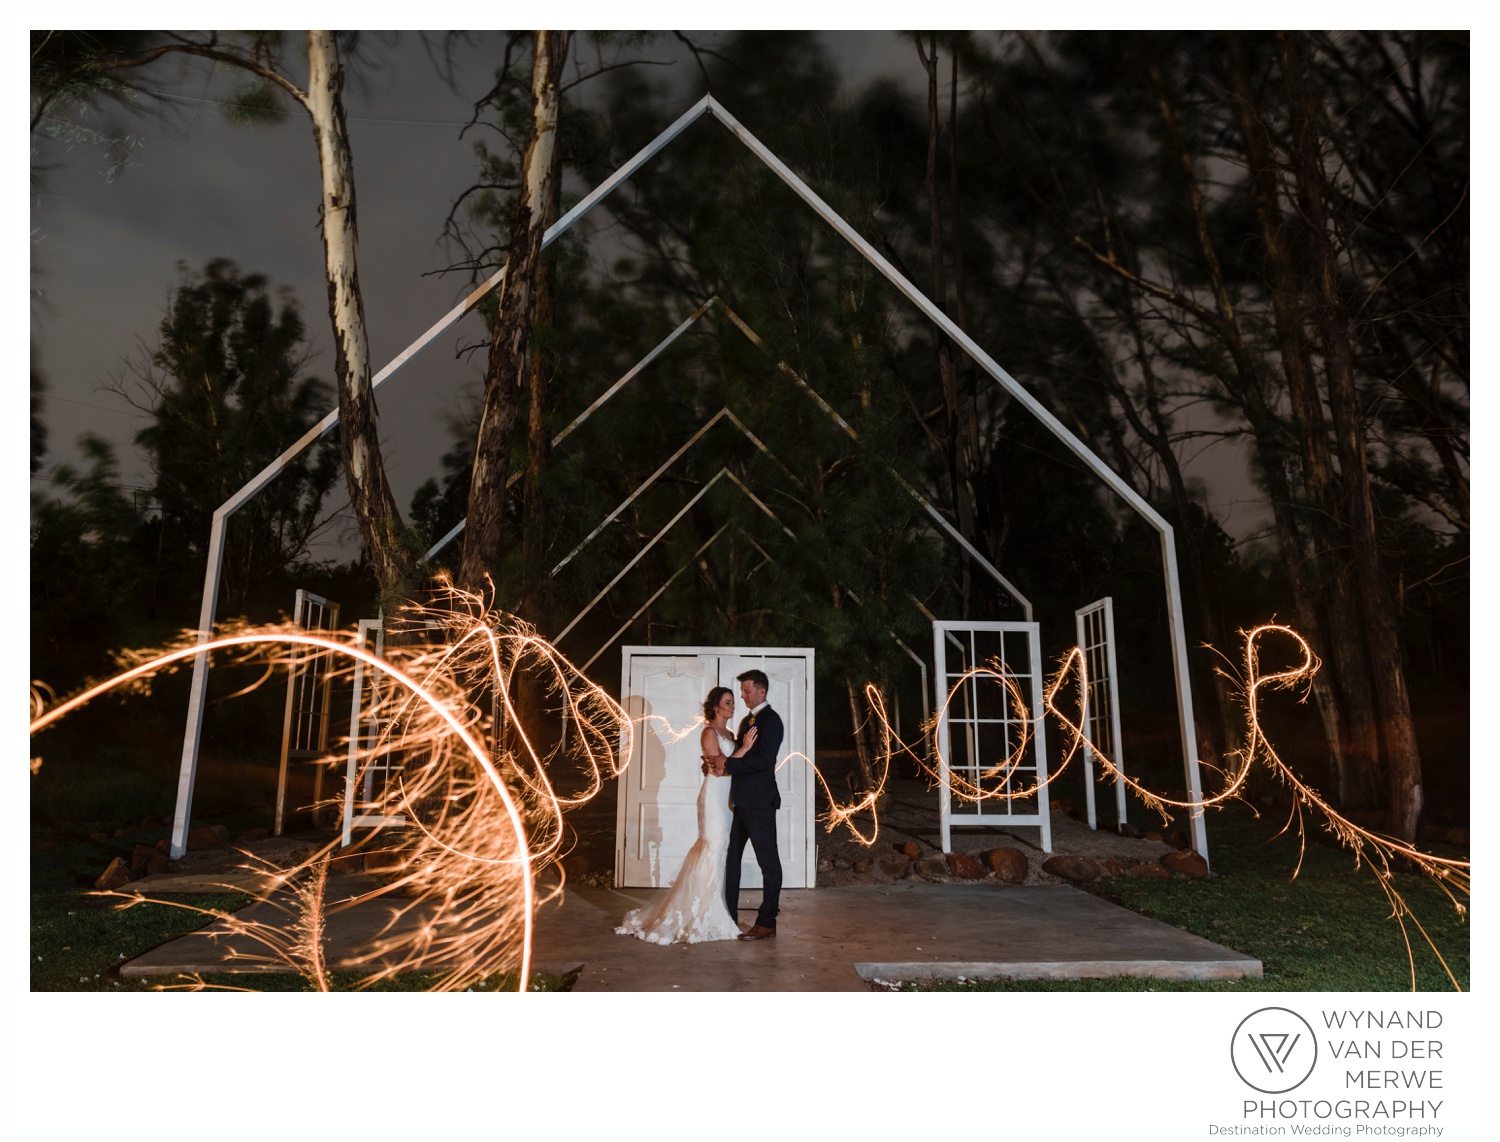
(79, 939)
(1330, 929)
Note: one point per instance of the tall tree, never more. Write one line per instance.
(259, 55)
(1267, 287)
(227, 394)
(1320, 258)
(506, 373)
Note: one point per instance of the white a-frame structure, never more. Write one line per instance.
(705, 106)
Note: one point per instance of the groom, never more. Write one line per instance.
(755, 799)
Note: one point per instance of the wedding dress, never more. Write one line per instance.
(693, 911)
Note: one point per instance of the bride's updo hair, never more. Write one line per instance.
(711, 703)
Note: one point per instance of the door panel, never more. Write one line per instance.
(657, 820)
(666, 698)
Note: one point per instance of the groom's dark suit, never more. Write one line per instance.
(755, 797)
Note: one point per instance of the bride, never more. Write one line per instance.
(693, 911)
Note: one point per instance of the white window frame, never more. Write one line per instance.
(308, 692)
(945, 631)
(1100, 716)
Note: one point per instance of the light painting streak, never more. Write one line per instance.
(468, 916)
(1382, 853)
(467, 878)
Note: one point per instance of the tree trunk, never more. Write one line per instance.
(535, 582)
(364, 469)
(1403, 760)
(1344, 701)
(1356, 761)
(958, 458)
(859, 719)
(1213, 691)
(505, 371)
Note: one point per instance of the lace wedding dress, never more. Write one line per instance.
(693, 911)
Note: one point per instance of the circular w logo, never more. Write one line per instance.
(1273, 1050)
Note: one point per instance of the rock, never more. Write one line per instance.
(1456, 835)
(934, 869)
(249, 835)
(896, 866)
(98, 836)
(158, 864)
(347, 863)
(164, 845)
(912, 849)
(1149, 870)
(1126, 829)
(140, 857)
(1010, 866)
(825, 865)
(965, 866)
(117, 875)
(148, 822)
(1186, 862)
(1178, 839)
(1071, 867)
(207, 837)
(576, 864)
(1110, 867)
(1154, 837)
(1063, 805)
(842, 864)
(120, 832)
(862, 866)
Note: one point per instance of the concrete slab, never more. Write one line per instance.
(828, 940)
(837, 940)
(350, 934)
(202, 884)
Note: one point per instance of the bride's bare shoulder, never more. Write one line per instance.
(709, 740)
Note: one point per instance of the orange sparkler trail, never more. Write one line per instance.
(466, 884)
(1381, 852)
(465, 875)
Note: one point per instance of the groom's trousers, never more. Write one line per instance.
(758, 826)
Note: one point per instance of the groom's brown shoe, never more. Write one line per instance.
(758, 933)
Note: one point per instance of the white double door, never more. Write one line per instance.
(657, 817)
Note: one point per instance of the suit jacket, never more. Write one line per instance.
(753, 776)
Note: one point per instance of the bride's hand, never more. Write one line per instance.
(747, 743)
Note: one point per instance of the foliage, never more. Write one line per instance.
(85, 560)
(225, 388)
(227, 392)
(75, 86)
